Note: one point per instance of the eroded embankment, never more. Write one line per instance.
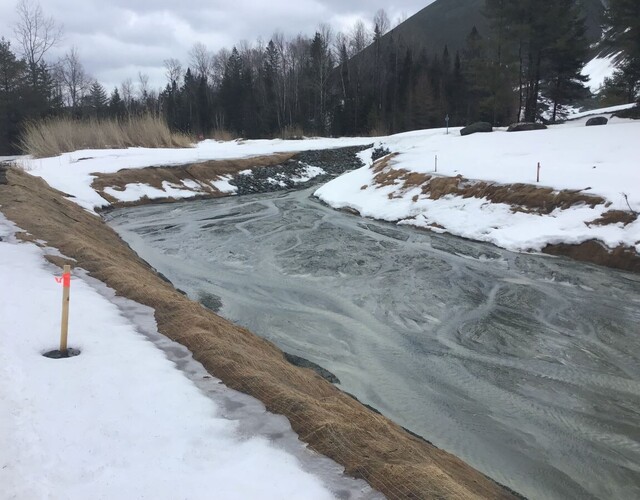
(202, 175)
(369, 445)
(216, 178)
(524, 198)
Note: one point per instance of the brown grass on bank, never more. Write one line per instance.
(54, 136)
(615, 217)
(522, 197)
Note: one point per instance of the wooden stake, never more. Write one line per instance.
(538, 174)
(64, 327)
(436, 163)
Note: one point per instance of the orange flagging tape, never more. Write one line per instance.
(66, 280)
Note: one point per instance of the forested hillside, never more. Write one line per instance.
(493, 60)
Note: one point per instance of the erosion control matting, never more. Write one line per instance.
(368, 445)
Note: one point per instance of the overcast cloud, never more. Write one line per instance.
(118, 38)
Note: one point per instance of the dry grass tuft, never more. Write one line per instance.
(54, 136)
(390, 177)
(442, 186)
(223, 135)
(615, 217)
(414, 179)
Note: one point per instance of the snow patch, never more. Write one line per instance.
(223, 185)
(598, 69)
(309, 172)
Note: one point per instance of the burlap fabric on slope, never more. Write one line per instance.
(368, 445)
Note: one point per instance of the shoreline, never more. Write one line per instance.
(368, 445)
(591, 251)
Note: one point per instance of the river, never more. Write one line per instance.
(525, 366)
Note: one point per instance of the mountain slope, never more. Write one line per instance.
(449, 22)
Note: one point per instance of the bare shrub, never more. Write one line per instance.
(54, 136)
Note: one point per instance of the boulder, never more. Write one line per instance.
(477, 127)
(525, 126)
(597, 120)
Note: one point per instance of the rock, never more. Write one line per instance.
(525, 126)
(477, 127)
(597, 120)
(278, 177)
(305, 363)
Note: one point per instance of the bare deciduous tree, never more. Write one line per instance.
(200, 59)
(218, 65)
(381, 21)
(74, 80)
(126, 89)
(36, 34)
(359, 38)
(173, 71)
(143, 85)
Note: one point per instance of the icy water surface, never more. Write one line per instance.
(527, 367)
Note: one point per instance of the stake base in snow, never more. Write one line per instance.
(58, 354)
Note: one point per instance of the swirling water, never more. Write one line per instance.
(525, 366)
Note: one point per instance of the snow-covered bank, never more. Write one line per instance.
(120, 420)
(599, 161)
(73, 173)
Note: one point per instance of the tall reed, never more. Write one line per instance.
(54, 136)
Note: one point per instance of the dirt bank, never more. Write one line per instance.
(202, 174)
(256, 174)
(367, 444)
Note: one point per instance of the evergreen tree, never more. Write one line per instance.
(622, 23)
(567, 55)
(116, 105)
(551, 48)
(12, 82)
(232, 91)
(97, 100)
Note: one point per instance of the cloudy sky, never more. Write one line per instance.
(117, 39)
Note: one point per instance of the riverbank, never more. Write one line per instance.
(482, 187)
(368, 445)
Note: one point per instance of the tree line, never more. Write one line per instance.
(527, 66)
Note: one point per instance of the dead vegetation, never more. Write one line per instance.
(202, 173)
(222, 135)
(368, 445)
(54, 136)
(522, 197)
(615, 217)
(595, 252)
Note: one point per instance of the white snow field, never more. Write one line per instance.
(121, 420)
